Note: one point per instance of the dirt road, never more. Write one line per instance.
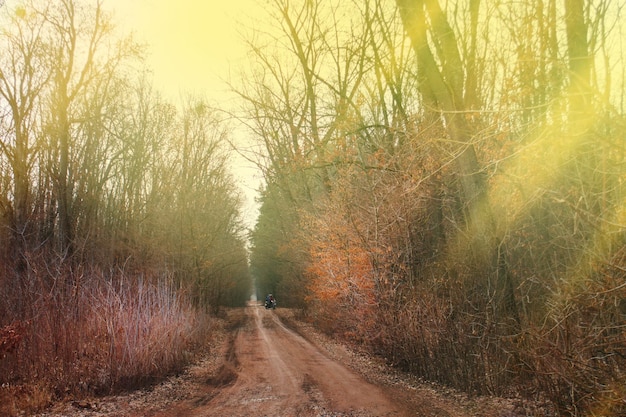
(272, 371)
(264, 368)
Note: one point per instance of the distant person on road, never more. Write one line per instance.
(270, 301)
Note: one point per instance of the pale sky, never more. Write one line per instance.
(193, 45)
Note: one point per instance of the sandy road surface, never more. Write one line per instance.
(272, 371)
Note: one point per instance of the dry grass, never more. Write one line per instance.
(91, 333)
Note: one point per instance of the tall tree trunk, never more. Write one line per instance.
(579, 62)
(64, 194)
(20, 178)
(441, 88)
(441, 85)
(61, 132)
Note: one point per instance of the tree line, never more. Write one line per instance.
(108, 192)
(445, 185)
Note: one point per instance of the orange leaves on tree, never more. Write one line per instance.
(340, 270)
(341, 275)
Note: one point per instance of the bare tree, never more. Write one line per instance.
(23, 78)
(83, 57)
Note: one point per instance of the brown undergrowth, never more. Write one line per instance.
(87, 332)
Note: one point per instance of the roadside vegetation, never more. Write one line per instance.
(120, 224)
(446, 185)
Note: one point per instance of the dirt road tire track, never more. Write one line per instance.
(272, 371)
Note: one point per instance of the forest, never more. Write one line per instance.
(121, 229)
(444, 186)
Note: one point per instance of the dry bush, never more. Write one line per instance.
(577, 356)
(85, 332)
(431, 336)
(17, 399)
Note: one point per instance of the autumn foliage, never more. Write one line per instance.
(453, 201)
(341, 276)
